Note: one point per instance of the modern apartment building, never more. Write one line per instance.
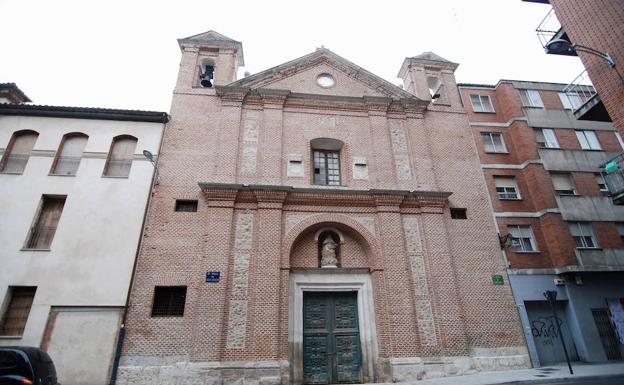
(593, 31)
(74, 187)
(317, 224)
(559, 228)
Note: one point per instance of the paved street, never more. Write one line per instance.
(595, 374)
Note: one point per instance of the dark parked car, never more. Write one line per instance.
(27, 366)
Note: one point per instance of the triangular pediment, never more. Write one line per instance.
(213, 39)
(301, 76)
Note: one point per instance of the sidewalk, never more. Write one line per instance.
(544, 374)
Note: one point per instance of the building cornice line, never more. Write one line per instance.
(324, 196)
(501, 125)
(520, 166)
(526, 214)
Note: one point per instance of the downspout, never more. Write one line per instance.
(122, 328)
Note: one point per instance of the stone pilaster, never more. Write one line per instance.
(226, 164)
(419, 140)
(211, 297)
(400, 322)
(382, 161)
(442, 279)
(272, 125)
(265, 287)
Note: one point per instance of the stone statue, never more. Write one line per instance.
(328, 253)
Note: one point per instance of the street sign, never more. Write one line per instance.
(498, 279)
(213, 276)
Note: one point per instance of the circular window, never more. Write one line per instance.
(325, 80)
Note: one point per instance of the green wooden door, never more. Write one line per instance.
(331, 338)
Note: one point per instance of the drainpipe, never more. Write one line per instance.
(122, 328)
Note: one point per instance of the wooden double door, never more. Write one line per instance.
(331, 338)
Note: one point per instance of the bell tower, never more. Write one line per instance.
(208, 59)
(430, 77)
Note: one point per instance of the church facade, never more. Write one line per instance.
(317, 224)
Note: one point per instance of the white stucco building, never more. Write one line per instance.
(74, 187)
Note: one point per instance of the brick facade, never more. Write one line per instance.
(244, 151)
(598, 25)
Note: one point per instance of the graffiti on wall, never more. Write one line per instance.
(544, 329)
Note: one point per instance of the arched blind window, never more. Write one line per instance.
(69, 154)
(120, 156)
(18, 151)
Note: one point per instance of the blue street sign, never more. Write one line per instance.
(213, 276)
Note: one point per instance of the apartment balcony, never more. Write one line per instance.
(555, 159)
(614, 178)
(550, 29)
(600, 259)
(586, 102)
(589, 208)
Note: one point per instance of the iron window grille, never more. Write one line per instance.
(189, 206)
(169, 301)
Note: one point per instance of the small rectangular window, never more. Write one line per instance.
(531, 98)
(521, 238)
(620, 227)
(588, 140)
(44, 228)
(571, 100)
(506, 187)
(326, 168)
(13, 321)
(619, 138)
(602, 185)
(563, 184)
(583, 235)
(493, 142)
(481, 103)
(546, 138)
(457, 213)
(169, 301)
(186, 205)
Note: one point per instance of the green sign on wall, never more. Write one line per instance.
(498, 279)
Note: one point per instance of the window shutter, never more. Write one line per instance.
(563, 183)
(120, 159)
(68, 160)
(505, 181)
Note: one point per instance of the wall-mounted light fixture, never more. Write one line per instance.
(150, 157)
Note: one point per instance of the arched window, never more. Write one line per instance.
(69, 154)
(326, 161)
(18, 151)
(120, 156)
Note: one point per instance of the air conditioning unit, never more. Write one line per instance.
(559, 282)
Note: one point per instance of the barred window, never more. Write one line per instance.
(120, 156)
(69, 154)
(17, 152)
(186, 205)
(14, 319)
(169, 301)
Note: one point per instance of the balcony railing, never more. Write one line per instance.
(614, 178)
(580, 90)
(548, 28)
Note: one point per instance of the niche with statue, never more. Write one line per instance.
(329, 249)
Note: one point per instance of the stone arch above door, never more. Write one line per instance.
(356, 238)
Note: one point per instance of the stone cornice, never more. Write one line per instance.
(273, 98)
(278, 98)
(270, 195)
(232, 96)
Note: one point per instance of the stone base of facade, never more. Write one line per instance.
(179, 371)
(481, 360)
(173, 371)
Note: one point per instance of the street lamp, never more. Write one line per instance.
(557, 46)
(551, 297)
(150, 157)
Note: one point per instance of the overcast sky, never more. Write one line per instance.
(124, 54)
